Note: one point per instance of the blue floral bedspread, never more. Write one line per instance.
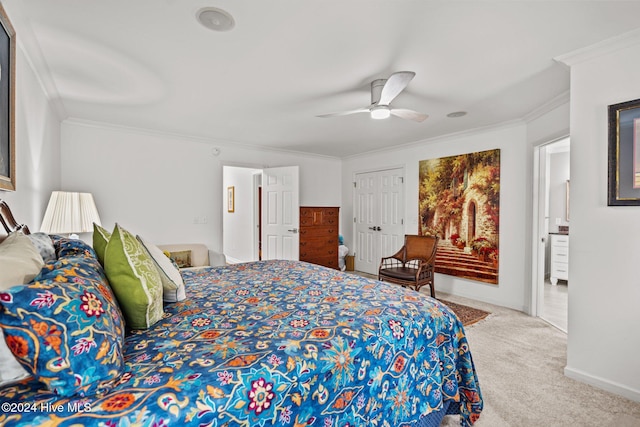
(279, 343)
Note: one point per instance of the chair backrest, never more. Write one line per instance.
(8, 221)
(420, 247)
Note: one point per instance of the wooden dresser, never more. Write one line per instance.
(319, 235)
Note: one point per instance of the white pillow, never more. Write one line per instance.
(173, 288)
(20, 261)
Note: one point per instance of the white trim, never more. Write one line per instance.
(193, 138)
(231, 260)
(601, 48)
(601, 383)
(547, 107)
(441, 138)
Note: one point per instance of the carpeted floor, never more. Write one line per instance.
(520, 364)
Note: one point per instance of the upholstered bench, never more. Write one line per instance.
(200, 255)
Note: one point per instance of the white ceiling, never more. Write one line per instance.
(149, 64)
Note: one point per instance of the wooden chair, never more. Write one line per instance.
(8, 221)
(413, 264)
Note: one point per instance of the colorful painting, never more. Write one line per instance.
(459, 201)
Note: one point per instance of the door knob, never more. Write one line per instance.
(293, 230)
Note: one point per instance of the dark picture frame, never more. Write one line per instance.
(624, 154)
(7, 103)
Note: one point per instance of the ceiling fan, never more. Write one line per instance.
(383, 91)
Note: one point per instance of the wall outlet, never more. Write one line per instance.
(558, 221)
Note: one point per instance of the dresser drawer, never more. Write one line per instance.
(560, 240)
(560, 253)
(318, 216)
(319, 232)
(560, 270)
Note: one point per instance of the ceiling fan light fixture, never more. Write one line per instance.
(380, 112)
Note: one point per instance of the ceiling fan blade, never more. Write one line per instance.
(403, 113)
(344, 113)
(394, 85)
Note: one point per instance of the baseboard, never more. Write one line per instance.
(232, 260)
(603, 384)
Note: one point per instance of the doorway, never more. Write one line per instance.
(260, 217)
(379, 217)
(551, 232)
(241, 220)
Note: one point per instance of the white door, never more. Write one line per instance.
(379, 213)
(280, 213)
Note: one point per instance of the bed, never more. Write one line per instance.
(264, 343)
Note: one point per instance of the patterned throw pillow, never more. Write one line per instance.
(181, 258)
(172, 283)
(134, 279)
(100, 239)
(65, 327)
(44, 245)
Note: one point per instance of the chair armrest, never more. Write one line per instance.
(217, 259)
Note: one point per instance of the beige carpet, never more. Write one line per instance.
(520, 361)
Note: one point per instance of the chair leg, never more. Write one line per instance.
(433, 289)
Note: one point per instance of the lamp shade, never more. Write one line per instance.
(70, 212)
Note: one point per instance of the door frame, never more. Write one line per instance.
(223, 202)
(403, 167)
(540, 224)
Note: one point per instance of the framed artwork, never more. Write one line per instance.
(624, 154)
(7, 103)
(231, 199)
(459, 201)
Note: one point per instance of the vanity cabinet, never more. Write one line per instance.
(559, 257)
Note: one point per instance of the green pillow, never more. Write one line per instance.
(100, 239)
(134, 279)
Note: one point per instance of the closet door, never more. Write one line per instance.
(379, 215)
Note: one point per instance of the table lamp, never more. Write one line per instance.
(70, 213)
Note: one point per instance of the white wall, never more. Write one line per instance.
(238, 226)
(558, 176)
(514, 199)
(604, 341)
(37, 148)
(155, 184)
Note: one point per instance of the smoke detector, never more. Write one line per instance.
(215, 19)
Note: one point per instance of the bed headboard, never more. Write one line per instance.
(9, 222)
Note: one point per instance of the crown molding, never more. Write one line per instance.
(550, 105)
(188, 137)
(603, 47)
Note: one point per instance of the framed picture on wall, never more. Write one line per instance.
(624, 154)
(231, 199)
(7, 103)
